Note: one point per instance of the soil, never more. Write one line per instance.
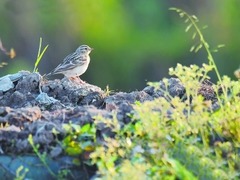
(31, 105)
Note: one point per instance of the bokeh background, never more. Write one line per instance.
(135, 41)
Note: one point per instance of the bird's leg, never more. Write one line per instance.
(77, 80)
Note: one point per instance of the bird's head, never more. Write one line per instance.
(84, 49)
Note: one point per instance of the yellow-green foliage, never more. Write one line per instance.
(169, 139)
(39, 55)
(173, 138)
(78, 138)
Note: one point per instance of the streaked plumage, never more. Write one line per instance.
(74, 64)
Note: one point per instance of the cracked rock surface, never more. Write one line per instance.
(30, 104)
(36, 106)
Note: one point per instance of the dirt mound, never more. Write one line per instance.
(31, 105)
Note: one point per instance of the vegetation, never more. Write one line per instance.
(176, 138)
(199, 144)
(169, 138)
(11, 54)
(39, 55)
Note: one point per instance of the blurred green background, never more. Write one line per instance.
(134, 41)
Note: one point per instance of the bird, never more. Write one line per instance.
(75, 64)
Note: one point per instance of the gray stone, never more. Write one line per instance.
(6, 84)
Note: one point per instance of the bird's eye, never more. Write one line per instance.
(86, 48)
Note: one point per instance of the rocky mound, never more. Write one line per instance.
(31, 105)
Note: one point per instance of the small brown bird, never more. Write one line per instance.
(75, 64)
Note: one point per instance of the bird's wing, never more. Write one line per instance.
(69, 63)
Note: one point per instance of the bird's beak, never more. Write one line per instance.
(91, 49)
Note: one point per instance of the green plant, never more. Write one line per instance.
(192, 21)
(157, 144)
(21, 173)
(2, 64)
(42, 157)
(10, 53)
(174, 138)
(168, 137)
(107, 91)
(78, 139)
(39, 55)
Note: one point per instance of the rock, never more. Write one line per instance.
(56, 151)
(29, 83)
(18, 117)
(6, 84)
(173, 86)
(124, 112)
(33, 105)
(18, 98)
(94, 98)
(71, 94)
(44, 99)
(113, 102)
(15, 77)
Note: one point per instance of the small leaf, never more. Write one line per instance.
(39, 56)
(39, 47)
(221, 46)
(181, 171)
(4, 63)
(87, 146)
(67, 127)
(173, 9)
(54, 131)
(214, 50)
(188, 27)
(30, 139)
(76, 161)
(85, 128)
(178, 10)
(128, 141)
(186, 20)
(194, 17)
(198, 48)
(73, 150)
(192, 48)
(181, 14)
(76, 127)
(237, 73)
(194, 35)
(12, 53)
(21, 172)
(67, 140)
(205, 27)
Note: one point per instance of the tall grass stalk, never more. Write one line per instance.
(193, 20)
(39, 55)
